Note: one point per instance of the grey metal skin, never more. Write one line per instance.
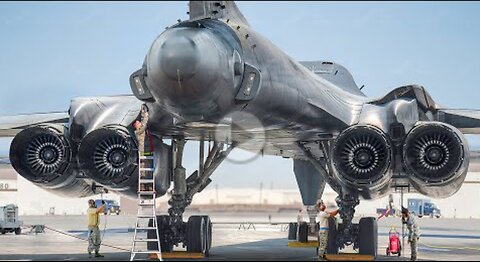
(91, 119)
(200, 71)
(197, 71)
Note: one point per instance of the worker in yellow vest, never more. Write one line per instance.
(94, 238)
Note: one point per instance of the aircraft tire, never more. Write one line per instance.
(292, 231)
(332, 236)
(197, 230)
(303, 232)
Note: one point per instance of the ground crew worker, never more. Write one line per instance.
(413, 232)
(140, 129)
(94, 238)
(141, 132)
(323, 216)
(299, 217)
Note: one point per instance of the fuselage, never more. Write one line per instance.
(195, 71)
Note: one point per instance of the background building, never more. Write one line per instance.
(33, 200)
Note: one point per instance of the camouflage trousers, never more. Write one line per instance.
(94, 239)
(322, 243)
(413, 248)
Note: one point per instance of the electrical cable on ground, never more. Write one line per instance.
(86, 240)
(105, 220)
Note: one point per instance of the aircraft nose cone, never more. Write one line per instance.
(189, 70)
(179, 57)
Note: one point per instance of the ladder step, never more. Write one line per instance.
(147, 192)
(145, 240)
(146, 228)
(146, 204)
(146, 180)
(145, 216)
(146, 169)
(146, 157)
(146, 252)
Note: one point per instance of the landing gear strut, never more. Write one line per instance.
(348, 234)
(196, 233)
(363, 236)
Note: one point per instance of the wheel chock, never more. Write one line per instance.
(349, 257)
(179, 255)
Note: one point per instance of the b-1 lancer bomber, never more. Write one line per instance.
(214, 79)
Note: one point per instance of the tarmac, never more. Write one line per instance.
(236, 236)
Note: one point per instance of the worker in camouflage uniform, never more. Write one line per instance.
(413, 232)
(323, 216)
(140, 130)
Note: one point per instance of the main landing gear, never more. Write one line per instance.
(196, 233)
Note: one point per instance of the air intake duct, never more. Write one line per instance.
(361, 157)
(109, 156)
(436, 156)
(42, 155)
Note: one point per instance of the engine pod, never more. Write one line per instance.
(436, 156)
(41, 154)
(109, 156)
(361, 156)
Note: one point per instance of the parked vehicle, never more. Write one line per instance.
(423, 207)
(383, 211)
(9, 221)
(112, 206)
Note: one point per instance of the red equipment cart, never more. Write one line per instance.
(394, 245)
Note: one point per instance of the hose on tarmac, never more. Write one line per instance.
(86, 240)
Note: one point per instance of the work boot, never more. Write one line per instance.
(98, 254)
(413, 258)
(89, 254)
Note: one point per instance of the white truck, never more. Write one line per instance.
(9, 222)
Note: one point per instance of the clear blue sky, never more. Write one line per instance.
(51, 52)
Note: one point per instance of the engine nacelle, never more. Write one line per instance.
(109, 155)
(436, 156)
(361, 157)
(42, 154)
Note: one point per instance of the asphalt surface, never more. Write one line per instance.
(442, 239)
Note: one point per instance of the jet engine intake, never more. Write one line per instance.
(109, 155)
(361, 157)
(436, 156)
(42, 155)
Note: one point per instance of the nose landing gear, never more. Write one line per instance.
(196, 233)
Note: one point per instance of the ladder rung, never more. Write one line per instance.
(146, 192)
(146, 204)
(146, 228)
(146, 216)
(147, 169)
(146, 157)
(146, 180)
(146, 252)
(145, 240)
